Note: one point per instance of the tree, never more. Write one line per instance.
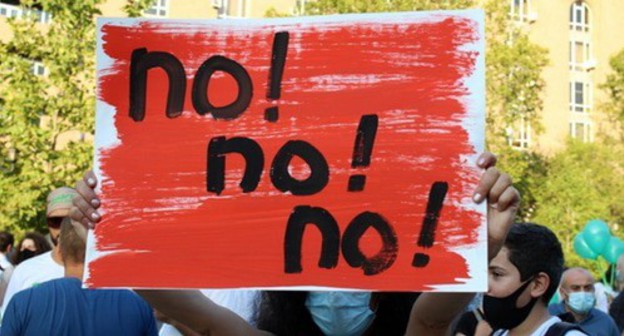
(514, 75)
(38, 110)
(585, 181)
(614, 87)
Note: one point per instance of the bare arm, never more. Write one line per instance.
(433, 313)
(192, 309)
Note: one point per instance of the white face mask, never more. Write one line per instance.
(341, 313)
(581, 302)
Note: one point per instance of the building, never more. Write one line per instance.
(581, 36)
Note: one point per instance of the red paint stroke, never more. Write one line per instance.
(410, 75)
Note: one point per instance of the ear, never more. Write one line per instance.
(540, 285)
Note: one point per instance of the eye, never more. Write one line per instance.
(497, 274)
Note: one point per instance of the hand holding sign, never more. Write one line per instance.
(323, 152)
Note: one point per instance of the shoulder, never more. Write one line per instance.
(33, 264)
(556, 308)
(599, 314)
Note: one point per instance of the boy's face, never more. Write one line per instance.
(504, 279)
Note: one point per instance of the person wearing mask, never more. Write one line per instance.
(522, 278)
(578, 299)
(32, 245)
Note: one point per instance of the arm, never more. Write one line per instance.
(194, 310)
(433, 313)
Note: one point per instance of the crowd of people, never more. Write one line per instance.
(41, 291)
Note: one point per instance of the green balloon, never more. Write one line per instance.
(597, 235)
(614, 248)
(582, 248)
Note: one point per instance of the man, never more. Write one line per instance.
(522, 279)
(63, 307)
(577, 292)
(6, 244)
(49, 265)
(431, 314)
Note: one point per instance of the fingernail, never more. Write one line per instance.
(91, 226)
(477, 198)
(481, 161)
(95, 215)
(90, 181)
(493, 205)
(95, 202)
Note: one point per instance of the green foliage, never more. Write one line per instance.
(514, 81)
(529, 171)
(369, 6)
(614, 87)
(274, 13)
(583, 182)
(135, 8)
(37, 111)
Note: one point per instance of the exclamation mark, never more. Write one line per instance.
(437, 193)
(278, 60)
(363, 148)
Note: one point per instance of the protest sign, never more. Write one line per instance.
(330, 151)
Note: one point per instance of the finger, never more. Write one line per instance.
(75, 213)
(502, 183)
(488, 179)
(85, 187)
(88, 211)
(486, 160)
(90, 178)
(509, 199)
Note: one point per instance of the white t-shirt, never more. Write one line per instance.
(541, 331)
(4, 263)
(32, 272)
(241, 302)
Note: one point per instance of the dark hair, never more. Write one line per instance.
(533, 249)
(41, 245)
(6, 240)
(284, 313)
(71, 245)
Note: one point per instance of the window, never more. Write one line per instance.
(158, 9)
(579, 16)
(16, 12)
(10, 11)
(581, 130)
(519, 136)
(520, 10)
(580, 55)
(38, 69)
(580, 97)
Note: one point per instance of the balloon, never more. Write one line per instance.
(597, 235)
(582, 248)
(614, 248)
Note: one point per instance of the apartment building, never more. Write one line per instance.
(580, 36)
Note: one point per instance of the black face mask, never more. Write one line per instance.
(502, 313)
(23, 255)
